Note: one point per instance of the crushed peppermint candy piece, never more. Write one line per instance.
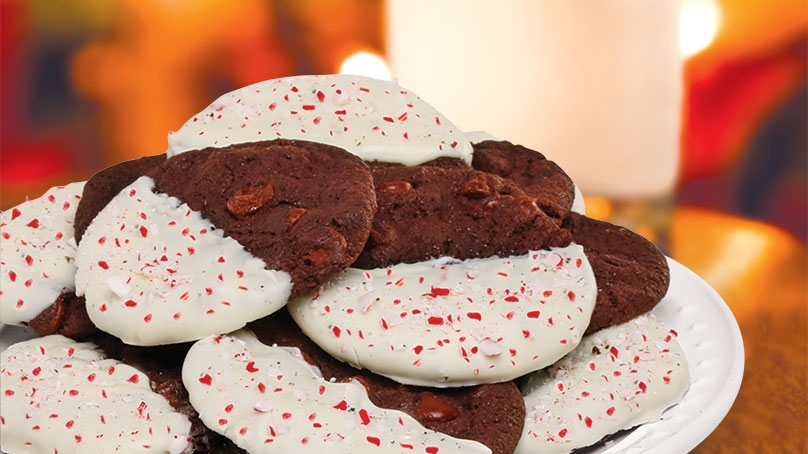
(269, 399)
(37, 248)
(454, 323)
(373, 119)
(58, 395)
(155, 272)
(617, 378)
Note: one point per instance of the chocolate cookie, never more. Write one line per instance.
(428, 212)
(37, 271)
(492, 414)
(66, 316)
(632, 274)
(105, 184)
(537, 176)
(163, 366)
(302, 207)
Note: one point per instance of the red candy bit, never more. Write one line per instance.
(643, 387)
(15, 213)
(364, 416)
(251, 367)
(435, 321)
(206, 380)
(437, 291)
(34, 224)
(341, 405)
(373, 440)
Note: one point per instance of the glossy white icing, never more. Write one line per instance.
(454, 323)
(617, 378)
(153, 271)
(371, 118)
(37, 248)
(57, 395)
(269, 399)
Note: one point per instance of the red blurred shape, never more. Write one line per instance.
(29, 162)
(725, 107)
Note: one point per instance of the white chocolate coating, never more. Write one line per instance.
(616, 379)
(269, 399)
(153, 272)
(37, 248)
(454, 323)
(373, 119)
(58, 395)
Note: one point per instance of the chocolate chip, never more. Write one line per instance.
(431, 407)
(247, 201)
(476, 188)
(394, 186)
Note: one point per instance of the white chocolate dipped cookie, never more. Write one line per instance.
(269, 399)
(373, 119)
(454, 323)
(618, 378)
(62, 396)
(154, 272)
(37, 250)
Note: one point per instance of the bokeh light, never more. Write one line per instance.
(698, 25)
(365, 63)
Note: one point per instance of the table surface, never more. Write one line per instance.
(762, 274)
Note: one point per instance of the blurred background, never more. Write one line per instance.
(86, 84)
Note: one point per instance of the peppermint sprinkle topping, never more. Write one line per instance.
(373, 119)
(436, 324)
(228, 377)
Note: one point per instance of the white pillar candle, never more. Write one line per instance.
(595, 85)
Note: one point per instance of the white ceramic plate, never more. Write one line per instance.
(713, 346)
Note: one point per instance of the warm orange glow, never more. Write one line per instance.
(149, 77)
(740, 258)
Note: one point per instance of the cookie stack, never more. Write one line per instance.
(328, 263)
